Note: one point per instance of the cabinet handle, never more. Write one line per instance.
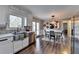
(3, 40)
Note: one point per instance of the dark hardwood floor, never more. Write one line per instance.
(47, 47)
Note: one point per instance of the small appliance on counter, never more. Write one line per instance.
(27, 28)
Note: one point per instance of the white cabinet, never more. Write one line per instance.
(6, 45)
(20, 44)
(17, 45)
(9, 46)
(25, 42)
(3, 14)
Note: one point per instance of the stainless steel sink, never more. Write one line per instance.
(18, 36)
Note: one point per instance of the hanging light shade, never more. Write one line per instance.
(53, 16)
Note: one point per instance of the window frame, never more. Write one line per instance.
(15, 27)
(25, 18)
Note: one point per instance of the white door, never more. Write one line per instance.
(33, 26)
(37, 28)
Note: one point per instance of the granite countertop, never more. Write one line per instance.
(6, 35)
(11, 34)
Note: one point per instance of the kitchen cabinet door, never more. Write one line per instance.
(3, 14)
(25, 42)
(6, 46)
(17, 45)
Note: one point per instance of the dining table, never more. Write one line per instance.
(57, 32)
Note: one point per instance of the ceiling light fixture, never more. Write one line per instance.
(53, 16)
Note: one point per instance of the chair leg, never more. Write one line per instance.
(54, 42)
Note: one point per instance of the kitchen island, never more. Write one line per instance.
(12, 43)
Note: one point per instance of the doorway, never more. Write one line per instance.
(36, 27)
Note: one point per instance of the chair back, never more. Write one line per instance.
(52, 33)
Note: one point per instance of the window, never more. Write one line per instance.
(25, 21)
(33, 26)
(36, 27)
(15, 21)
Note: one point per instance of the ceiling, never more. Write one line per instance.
(46, 11)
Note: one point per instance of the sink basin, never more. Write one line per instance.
(21, 36)
(18, 36)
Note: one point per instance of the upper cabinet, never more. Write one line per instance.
(3, 14)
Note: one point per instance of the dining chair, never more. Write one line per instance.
(47, 33)
(52, 35)
(56, 37)
(58, 40)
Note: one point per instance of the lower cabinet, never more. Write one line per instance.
(20, 44)
(17, 45)
(6, 45)
(25, 42)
